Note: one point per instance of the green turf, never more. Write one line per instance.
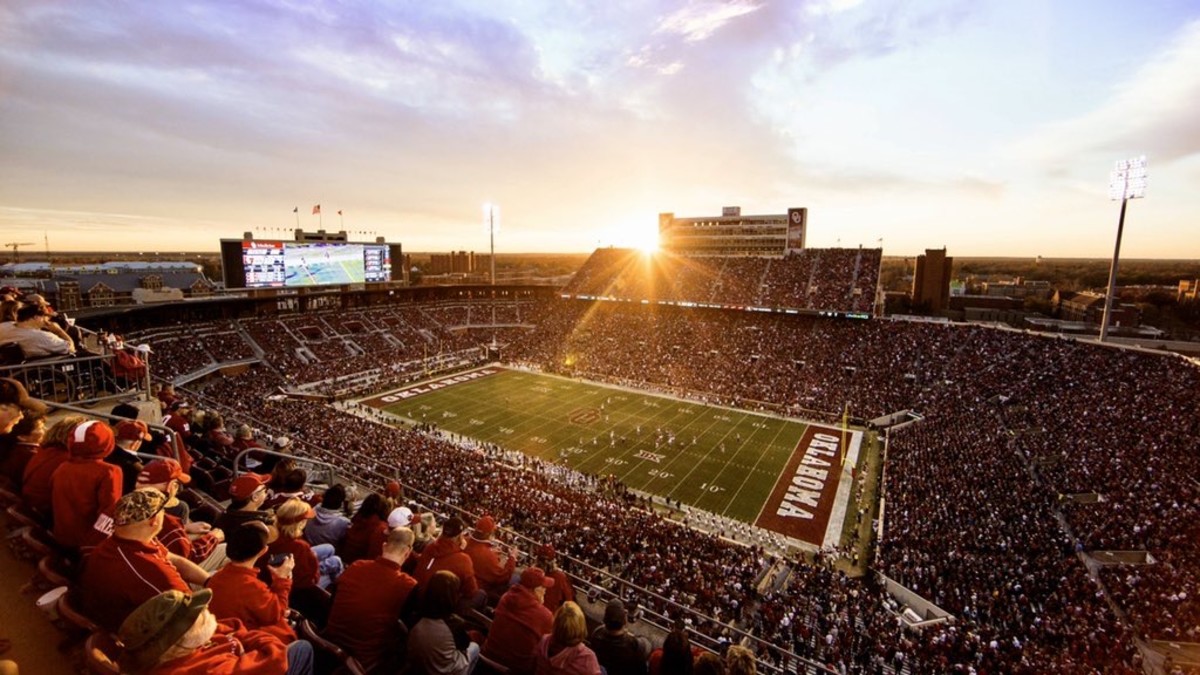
(533, 414)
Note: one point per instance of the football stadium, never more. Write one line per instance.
(765, 465)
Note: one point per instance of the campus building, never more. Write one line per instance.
(733, 234)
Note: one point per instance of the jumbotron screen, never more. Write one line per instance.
(264, 264)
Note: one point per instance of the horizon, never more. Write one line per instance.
(988, 128)
(32, 258)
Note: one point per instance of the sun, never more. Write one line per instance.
(639, 236)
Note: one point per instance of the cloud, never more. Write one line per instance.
(1153, 112)
(699, 20)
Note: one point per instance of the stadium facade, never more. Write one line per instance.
(733, 234)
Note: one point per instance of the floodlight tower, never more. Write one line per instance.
(1128, 181)
(491, 215)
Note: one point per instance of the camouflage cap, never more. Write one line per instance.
(139, 505)
(157, 624)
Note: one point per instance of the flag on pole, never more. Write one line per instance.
(339, 212)
(316, 210)
(296, 209)
(845, 427)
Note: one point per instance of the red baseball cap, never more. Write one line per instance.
(485, 525)
(92, 439)
(162, 471)
(246, 484)
(534, 577)
(133, 430)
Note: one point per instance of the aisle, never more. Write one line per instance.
(34, 639)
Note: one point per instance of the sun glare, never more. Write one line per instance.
(642, 238)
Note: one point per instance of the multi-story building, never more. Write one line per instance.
(459, 262)
(733, 234)
(1189, 289)
(931, 283)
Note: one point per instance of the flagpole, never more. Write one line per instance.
(845, 428)
(341, 220)
(297, 212)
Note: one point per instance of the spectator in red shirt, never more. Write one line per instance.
(520, 622)
(131, 566)
(197, 541)
(35, 484)
(179, 420)
(446, 553)
(315, 565)
(167, 396)
(368, 530)
(175, 634)
(217, 438)
(370, 600)
(20, 446)
(238, 593)
(494, 576)
(562, 590)
(85, 487)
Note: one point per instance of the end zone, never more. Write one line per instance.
(810, 499)
(404, 393)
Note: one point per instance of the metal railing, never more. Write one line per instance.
(172, 440)
(76, 379)
(326, 473)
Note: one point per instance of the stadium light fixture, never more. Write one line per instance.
(1127, 181)
(491, 220)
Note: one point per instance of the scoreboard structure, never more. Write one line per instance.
(264, 263)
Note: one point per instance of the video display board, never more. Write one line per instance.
(285, 263)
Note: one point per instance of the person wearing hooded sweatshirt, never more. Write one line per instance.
(329, 525)
(520, 622)
(446, 553)
(35, 484)
(85, 488)
(563, 652)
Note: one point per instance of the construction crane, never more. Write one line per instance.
(14, 246)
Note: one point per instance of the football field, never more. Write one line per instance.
(781, 474)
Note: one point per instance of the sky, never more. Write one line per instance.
(987, 127)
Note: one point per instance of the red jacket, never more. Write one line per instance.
(238, 594)
(180, 425)
(234, 650)
(488, 570)
(444, 554)
(307, 571)
(364, 539)
(521, 621)
(81, 490)
(177, 541)
(560, 592)
(120, 574)
(15, 460)
(370, 596)
(35, 482)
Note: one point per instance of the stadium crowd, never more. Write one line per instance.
(839, 279)
(1012, 424)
